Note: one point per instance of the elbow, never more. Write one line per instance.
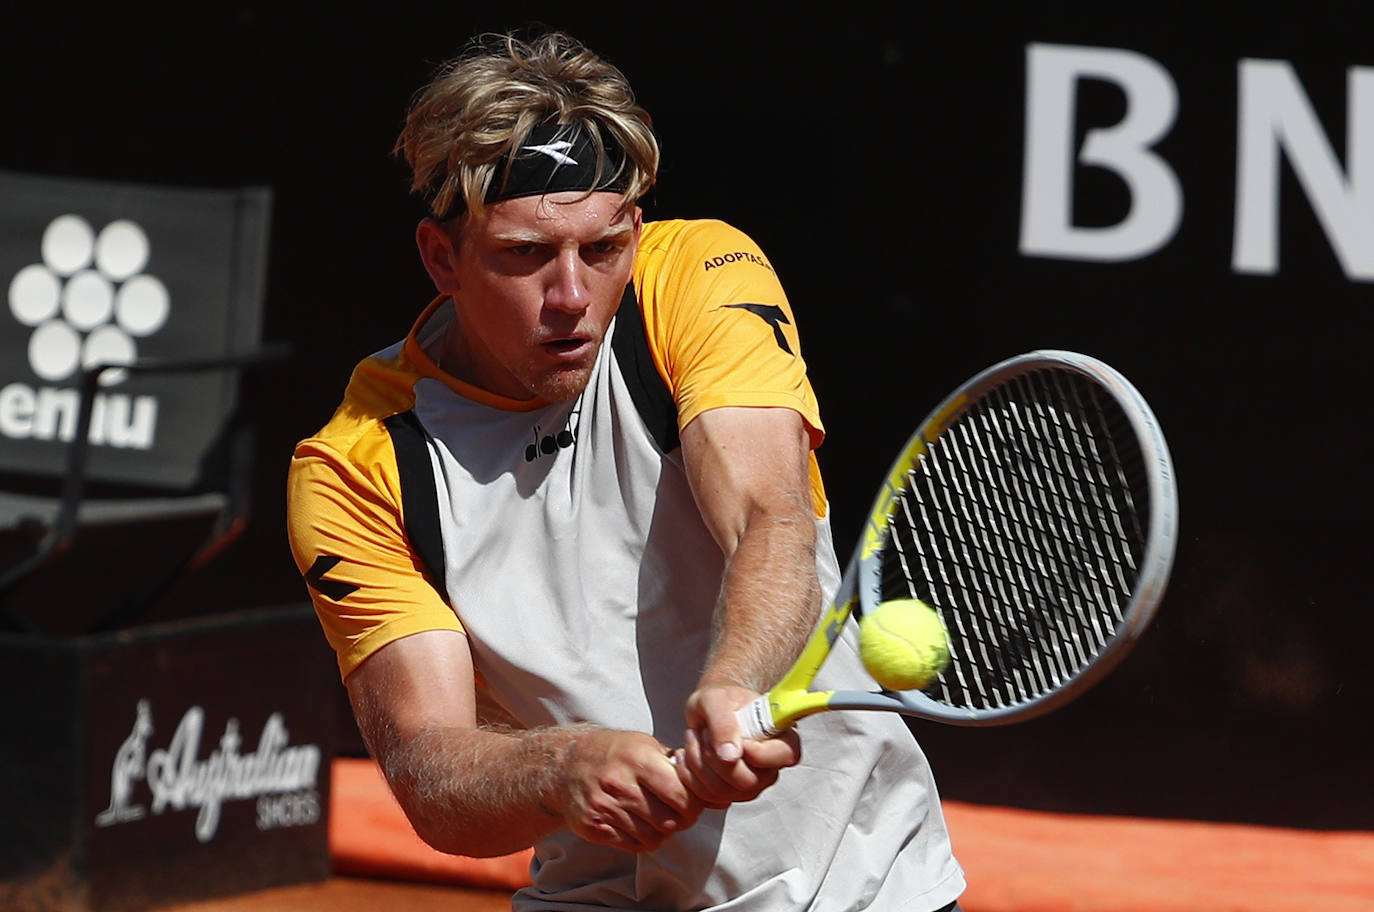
(789, 523)
(469, 839)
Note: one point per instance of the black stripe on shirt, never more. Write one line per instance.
(418, 498)
(652, 399)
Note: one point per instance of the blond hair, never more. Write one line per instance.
(484, 103)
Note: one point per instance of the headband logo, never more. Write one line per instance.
(554, 150)
(555, 158)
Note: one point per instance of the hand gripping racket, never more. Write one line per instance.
(1035, 510)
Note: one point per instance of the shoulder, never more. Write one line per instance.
(380, 387)
(353, 457)
(686, 268)
(699, 244)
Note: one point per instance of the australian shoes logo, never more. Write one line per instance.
(281, 777)
(86, 303)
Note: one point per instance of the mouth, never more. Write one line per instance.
(569, 348)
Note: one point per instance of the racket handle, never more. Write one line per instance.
(756, 719)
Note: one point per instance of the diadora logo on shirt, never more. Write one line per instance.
(548, 444)
(771, 314)
(86, 303)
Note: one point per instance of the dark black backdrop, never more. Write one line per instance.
(878, 161)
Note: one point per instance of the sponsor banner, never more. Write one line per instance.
(209, 742)
(193, 773)
(100, 273)
(168, 762)
(1278, 128)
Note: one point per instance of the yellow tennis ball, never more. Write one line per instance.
(903, 644)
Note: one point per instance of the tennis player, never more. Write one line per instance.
(566, 527)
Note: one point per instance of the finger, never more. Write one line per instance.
(740, 781)
(722, 728)
(664, 799)
(650, 802)
(700, 777)
(641, 835)
(742, 784)
(705, 782)
(664, 780)
(628, 836)
(737, 775)
(622, 819)
(663, 819)
(778, 752)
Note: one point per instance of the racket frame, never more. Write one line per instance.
(860, 589)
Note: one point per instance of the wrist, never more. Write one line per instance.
(726, 678)
(554, 751)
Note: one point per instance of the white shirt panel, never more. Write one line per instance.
(586, 580)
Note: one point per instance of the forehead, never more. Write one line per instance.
(571, 214)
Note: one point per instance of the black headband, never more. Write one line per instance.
(553, 158)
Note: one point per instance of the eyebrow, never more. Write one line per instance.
(521, 236)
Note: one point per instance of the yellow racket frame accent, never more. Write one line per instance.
(790, 700)
(876, 530)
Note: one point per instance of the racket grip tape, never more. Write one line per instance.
(756, 719)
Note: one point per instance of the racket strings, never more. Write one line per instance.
(1021, 525)
(934, 568)
(1073, 513)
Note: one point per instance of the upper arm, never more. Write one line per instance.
(421, 681)
(745, 464)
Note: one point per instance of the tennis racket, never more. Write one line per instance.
(1035, 509)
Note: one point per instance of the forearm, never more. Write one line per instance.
(479, 792)
(475, 789)
(769, 601)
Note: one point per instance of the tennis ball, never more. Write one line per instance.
(903, 644)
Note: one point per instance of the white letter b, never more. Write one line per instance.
(1052, 72)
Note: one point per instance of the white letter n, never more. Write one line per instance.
(1274, 112)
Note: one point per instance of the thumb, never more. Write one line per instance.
(723, 730)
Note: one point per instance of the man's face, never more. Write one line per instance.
(536, 281)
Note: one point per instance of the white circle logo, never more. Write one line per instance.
(121, 250)
(68, 244)
(88, 299)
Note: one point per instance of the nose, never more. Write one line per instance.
(567, 288)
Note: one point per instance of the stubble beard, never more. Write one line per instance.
(563, 385)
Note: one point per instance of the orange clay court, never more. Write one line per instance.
(1017, 861)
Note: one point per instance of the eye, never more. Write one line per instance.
(604, 248)
(522, 250)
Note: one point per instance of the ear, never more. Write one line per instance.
(438, 254)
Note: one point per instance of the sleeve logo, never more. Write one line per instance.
(334, 590)
(739, 256)
(772, 315)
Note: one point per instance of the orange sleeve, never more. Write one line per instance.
(348, 537)
(719, 324)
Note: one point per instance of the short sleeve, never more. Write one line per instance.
(348, 537)
(719, 324)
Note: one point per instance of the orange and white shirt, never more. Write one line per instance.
(564, 540)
